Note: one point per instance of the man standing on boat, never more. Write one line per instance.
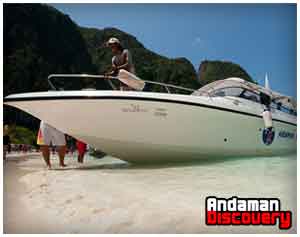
(121, 60)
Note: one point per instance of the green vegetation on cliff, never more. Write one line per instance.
(210, 71)
(39, 40)
(22, 135)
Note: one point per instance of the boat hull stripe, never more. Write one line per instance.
(137, 98)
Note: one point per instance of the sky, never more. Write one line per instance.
(259, 37)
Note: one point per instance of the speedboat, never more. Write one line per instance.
(226, 118)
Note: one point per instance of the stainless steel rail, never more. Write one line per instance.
(165, 85)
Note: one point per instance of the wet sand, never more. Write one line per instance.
(110, 196)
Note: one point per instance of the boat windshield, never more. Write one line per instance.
(233, 91)
(237, 92)
(253, 96)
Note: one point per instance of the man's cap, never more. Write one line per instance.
(113, 41)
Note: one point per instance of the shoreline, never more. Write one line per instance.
(110, 196)
(26, 177)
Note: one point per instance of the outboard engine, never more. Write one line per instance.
(267, 116)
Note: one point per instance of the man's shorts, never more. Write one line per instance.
(49, 135)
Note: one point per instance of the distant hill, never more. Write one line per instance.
(210, 71)
(40, 40)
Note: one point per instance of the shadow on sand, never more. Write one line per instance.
(131, 166)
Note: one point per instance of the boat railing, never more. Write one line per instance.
(166, 86)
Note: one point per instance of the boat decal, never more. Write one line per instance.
(286, 134)
(138, 98)
(268, 136)
(161, 112)
(134, 108)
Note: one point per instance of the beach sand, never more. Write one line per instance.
(110, 196)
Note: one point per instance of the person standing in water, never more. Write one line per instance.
(6, 141)
(121, 60)
(47, 136)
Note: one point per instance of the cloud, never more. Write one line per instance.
(200, 43)
(198, 40)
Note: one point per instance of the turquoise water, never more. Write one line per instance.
(174, 195)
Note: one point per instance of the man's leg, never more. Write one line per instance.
(46, 155)
(81, 158)
(61, 153)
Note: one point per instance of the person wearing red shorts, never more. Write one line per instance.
(81, 148)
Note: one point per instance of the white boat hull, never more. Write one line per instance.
(143, 129)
